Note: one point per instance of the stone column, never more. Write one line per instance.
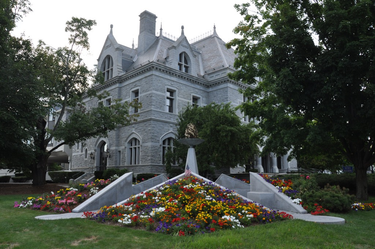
(274, 163)
(259, 164)
(287, 163)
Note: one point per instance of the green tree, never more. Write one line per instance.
(18, 105)
(227, 142)
(312, 67)
(59, 82)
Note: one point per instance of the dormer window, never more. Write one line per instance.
(107, 68)
(183, 62)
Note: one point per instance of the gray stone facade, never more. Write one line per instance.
(165, 75)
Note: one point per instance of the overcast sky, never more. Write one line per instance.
(47, 20)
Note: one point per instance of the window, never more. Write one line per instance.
(82, 147)
(108, 102)
(170, 100)
(134, 148)
(119, 157)
(195, 101)
(167, 146)
(107, 68)
(86, 153)
(77, 146)
(135, 96)
(183, 62)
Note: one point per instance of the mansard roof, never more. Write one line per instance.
(212, 52)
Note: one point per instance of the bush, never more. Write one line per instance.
(144, 177)
(332, 198)
(108, 173)
(5, 178)
(64, 176)
(20, 179)
(98, 174)
(305, 184)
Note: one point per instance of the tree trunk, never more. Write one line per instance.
(40, 166)
(39, 175)
(361, 183)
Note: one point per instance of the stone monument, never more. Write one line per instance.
(191, 139)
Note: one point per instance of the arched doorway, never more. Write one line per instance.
(103, 156)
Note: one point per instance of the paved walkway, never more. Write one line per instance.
(322, 219)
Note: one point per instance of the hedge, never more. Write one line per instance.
(5, 178)
(64, 176)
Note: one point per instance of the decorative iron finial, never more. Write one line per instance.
(215, 34)
(182, 30)
(111, 28)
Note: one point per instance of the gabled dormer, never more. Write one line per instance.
(183, 57)
(110, 61)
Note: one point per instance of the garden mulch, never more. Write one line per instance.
(29, 189)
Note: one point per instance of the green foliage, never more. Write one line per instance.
(305, 184)
(144, 176)
(20, 178)
(227, 142)
(40, 81)
(18, 84)
(98, 174)
(332, 198)
(315, 65)
(64, 176)
(5, 178)
(54, 167)
(111, 172)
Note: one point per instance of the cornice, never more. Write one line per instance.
(156, 66)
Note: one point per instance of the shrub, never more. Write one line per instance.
(144, 177)
(64, 176)
(305, 184)
(332, 198)
(20, 179)
(98, 174)
(108, 173)
(5, 178)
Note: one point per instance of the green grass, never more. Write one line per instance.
(20, 229)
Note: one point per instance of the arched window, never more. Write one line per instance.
(134, 149)
(183, 62)
(167, 146)
(107, 67)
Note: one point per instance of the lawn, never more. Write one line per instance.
(20, 229)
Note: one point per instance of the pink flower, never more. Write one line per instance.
(307, 177)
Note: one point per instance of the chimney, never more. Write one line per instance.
(147, 27)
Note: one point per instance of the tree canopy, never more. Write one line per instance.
(42, 81)
(311, 65)
(227, 142)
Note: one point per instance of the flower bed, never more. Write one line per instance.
(65, 199)
(185, 207)
(286, 187)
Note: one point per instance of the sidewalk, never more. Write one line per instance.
(322, 219)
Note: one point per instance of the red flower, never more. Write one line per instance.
(212, 229)
(181, 233)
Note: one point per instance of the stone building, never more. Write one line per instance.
(165, 75)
